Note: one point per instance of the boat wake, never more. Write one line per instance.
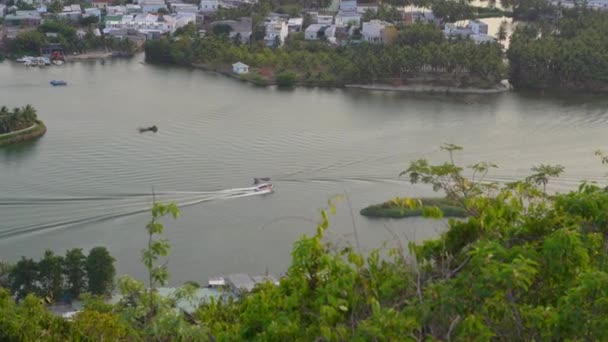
(92, 209)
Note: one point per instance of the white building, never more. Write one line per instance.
(318, 31)
(92, 12)
(149, 24)
(240, 68)
(133, 9)
(314, 31)
(101, 3)
(2, 10)
(346, 18)
(152, 6)
(325, 19)
(183, 8)
(40, 9)
(478, 27)
(295, 24)
(474, 30)
(276, 32)
(373, 31)
(116, 10)
(209, 6)
(72, 12)
(348, 5)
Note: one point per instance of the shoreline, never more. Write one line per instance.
(502, 87)
(424, 88)
(88, 56)
(26, 134)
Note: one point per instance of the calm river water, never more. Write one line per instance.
(87, 181)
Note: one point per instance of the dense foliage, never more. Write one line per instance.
(17, 119)
(395, 208)
(418, 51)
(523, 265)
(64, 32)
(573, 53)
(57, 278)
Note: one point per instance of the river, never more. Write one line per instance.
(87, 181)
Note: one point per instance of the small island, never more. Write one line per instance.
(391, 209)
(19, 124)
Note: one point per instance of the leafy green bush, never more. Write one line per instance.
(287, 79)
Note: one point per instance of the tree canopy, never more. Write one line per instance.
(571, 54)
(17, 119)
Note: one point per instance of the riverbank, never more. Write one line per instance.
(35, 131)
(390, 209)
(426, 88)
(94, 55)
(256, 78)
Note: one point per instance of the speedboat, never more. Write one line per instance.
(264, 187)
(58, 83)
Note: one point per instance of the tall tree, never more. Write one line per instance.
(100, 271)
(75, 272)
(24, 277)
(51, 276)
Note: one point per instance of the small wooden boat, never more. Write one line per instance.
(149, 129)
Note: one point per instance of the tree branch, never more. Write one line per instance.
(454, 272)
(453, 325)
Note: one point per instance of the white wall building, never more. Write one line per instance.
(152, 6)
(373, 31)
(276, 32)
(149, 23)
(325, 19)
(183, 8)
(209, 6)
(295, 24)
(312, 32)
(240, 68)
(92, 12)
(475, 30)
(345, 18)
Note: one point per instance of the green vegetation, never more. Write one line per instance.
(17, 119)
(488, 12)
(522, 265)
(19, 125)
(571, 54)
(30, 42)
(396, 209)
(55, 277)
(412, 57)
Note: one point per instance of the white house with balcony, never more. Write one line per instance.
(276, 32)
(240, 68)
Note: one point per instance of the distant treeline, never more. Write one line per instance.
(55, 277)
(570, 54)
(420, 48)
